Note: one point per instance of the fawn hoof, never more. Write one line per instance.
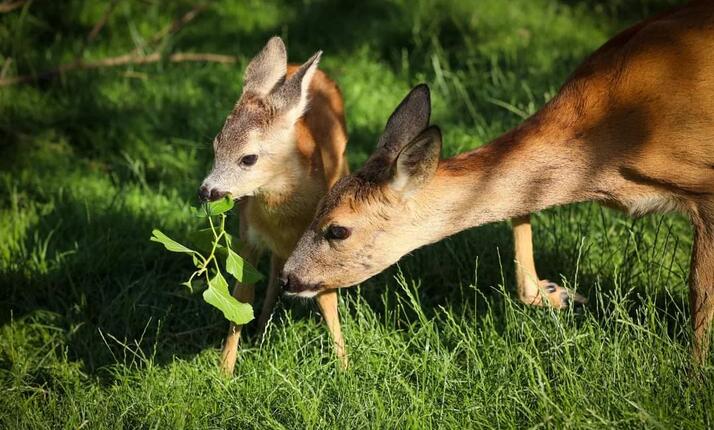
(227, 366)
(229, 356)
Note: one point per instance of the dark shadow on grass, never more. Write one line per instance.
(446, 271)
(623, 11)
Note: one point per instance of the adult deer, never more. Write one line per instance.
(633, 127)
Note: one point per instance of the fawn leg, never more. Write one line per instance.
(531, 289)
(242, 292)
(327, 302)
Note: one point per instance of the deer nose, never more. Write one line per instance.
(206, 194)
(290, 283)
(284, 281)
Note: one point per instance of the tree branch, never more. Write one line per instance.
(102, 21)
(121, 60)
(10, 5)
(175, 26)
(133, 57)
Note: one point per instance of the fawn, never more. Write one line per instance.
(280, 150)
(632, 127)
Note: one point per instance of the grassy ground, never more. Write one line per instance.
(96, 332)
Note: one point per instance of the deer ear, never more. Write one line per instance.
(267, 68)
(409, 119)
(291, 99)
(416, 164)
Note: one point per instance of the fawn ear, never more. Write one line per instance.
(291, 99)
(267, 68)
(416, 164)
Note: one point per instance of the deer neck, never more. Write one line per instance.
(526, 170)
(297, 185)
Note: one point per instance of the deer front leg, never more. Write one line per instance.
(243, 293)
(271, 294)
(327, 302)
(531, 289)
(701, 290)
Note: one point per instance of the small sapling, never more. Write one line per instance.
(215, 251)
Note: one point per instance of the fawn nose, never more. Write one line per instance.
(206, 194)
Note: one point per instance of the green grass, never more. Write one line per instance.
(96, 332)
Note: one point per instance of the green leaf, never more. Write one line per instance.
(215, 208)
(170, 244)
(228, 239)
(221, 206)
(217, 295)
(196, 262)
(241, 269)
(202, 239)
(199, 212)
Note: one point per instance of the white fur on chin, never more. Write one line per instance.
(307, 294)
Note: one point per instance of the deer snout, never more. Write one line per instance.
(292, 285)
(289, 283)
(206, 194)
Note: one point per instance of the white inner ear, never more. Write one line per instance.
(410, 170)
(297, 109)
(262, 84)
(267, 68)
(400, 180)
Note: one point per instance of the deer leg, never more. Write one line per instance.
(531, 289)
(327, 302)
(271, 294)
(701, 289)
(242, 292)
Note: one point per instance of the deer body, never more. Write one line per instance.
(279, 152)
(633, 127)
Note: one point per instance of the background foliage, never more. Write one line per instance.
(95, 330)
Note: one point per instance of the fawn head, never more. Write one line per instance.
(256, 147)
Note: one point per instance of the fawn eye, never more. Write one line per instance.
(337, 232)
(248, 160)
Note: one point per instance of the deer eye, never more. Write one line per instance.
(337, 232)
(248, 160)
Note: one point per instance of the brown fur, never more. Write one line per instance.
(279, 218)
(297, 163)
(633, 127)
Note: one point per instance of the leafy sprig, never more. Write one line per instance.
(215, 245)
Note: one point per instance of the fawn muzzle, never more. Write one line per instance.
(206, 194)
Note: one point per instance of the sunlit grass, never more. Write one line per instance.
(95, 330)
